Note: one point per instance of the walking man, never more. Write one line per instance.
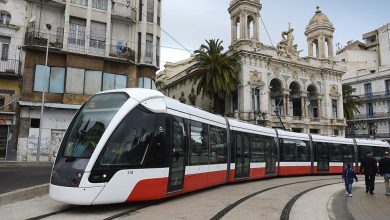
(384, 170)
(370, 169)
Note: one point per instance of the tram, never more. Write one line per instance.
(134, 144)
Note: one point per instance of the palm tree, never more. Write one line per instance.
(215, 72)
(350, 102)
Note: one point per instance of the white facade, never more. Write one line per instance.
(55, 123)
(368, 71)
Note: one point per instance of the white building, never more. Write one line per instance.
(368, 71)
(305, 92)
(95, 45)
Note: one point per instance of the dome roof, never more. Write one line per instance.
(319, 17)
(319, 20)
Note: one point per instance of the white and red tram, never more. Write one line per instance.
(131, 145)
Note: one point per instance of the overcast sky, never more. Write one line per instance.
(191, 22)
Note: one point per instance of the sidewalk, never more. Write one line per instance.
(6, 163)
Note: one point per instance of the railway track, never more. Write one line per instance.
(110, 212)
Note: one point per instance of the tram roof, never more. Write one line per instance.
(331, 139)
(138, 94)
(293, 135)
(237, 125)
(376, 142)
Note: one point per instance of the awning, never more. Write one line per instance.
(49, 105)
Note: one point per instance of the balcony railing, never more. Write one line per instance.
(122, 52)
(9, 67)
(373, 115)
(100, 4)
(79, 2)
(124, 10)
(40, 39)
(375, 95)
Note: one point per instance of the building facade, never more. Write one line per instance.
(278, 88)
(368, 71)
(94, 45)
(12, 28)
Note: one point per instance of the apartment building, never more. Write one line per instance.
(94, 45)
(368, 71)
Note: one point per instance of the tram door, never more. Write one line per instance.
(177, 152)
(322, 157)
(270, 156)
(242, 156)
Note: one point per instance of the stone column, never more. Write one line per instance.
(286, 96)
(256, 28)
(303, 105)
(245, 25)
(319, 108)
(330, 47)
(310, 48)
(233, 27)
(242, 25)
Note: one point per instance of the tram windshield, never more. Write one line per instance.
(90, 124)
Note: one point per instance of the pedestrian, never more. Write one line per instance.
(348, 176)
(370, 169)
(384, 170)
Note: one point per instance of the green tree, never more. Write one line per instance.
(351, 103)
(215, 72)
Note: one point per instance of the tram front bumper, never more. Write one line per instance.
(74, 195)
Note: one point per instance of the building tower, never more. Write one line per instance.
(319, 33)
(244, 16)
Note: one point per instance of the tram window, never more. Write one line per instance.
(257, 149)
(218, 147)
(348, 152)
(178, 135)
(335, 152)
(287, 150)
(302, 150)
(233, 147)
(363, 150)
(129, 142)
(158, 151)
(199, 144)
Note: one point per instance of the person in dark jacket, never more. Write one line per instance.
(384, 170)
(348, 176)
(370, 168)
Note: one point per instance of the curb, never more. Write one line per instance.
(25, 164)
(24, 194)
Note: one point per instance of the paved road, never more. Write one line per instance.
(14, 178)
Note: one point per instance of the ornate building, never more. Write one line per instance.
(278, 87)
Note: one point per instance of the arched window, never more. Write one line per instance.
(250, 27)
(5, 17)
(147, 83)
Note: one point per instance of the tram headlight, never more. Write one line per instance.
(77, 178)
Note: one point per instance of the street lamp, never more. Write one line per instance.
(48, 26)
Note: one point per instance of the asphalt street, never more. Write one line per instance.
(14, 178)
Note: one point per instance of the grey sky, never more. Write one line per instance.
(191, 22)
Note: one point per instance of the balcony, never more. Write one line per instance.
(33, 38)
(124, 10)
(122, 52)
(9, 68)
(375, 96)
(80, 2)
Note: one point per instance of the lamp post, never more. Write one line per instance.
(48, 26)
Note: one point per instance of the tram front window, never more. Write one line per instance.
(90, 124)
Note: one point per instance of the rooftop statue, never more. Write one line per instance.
(286, 47)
